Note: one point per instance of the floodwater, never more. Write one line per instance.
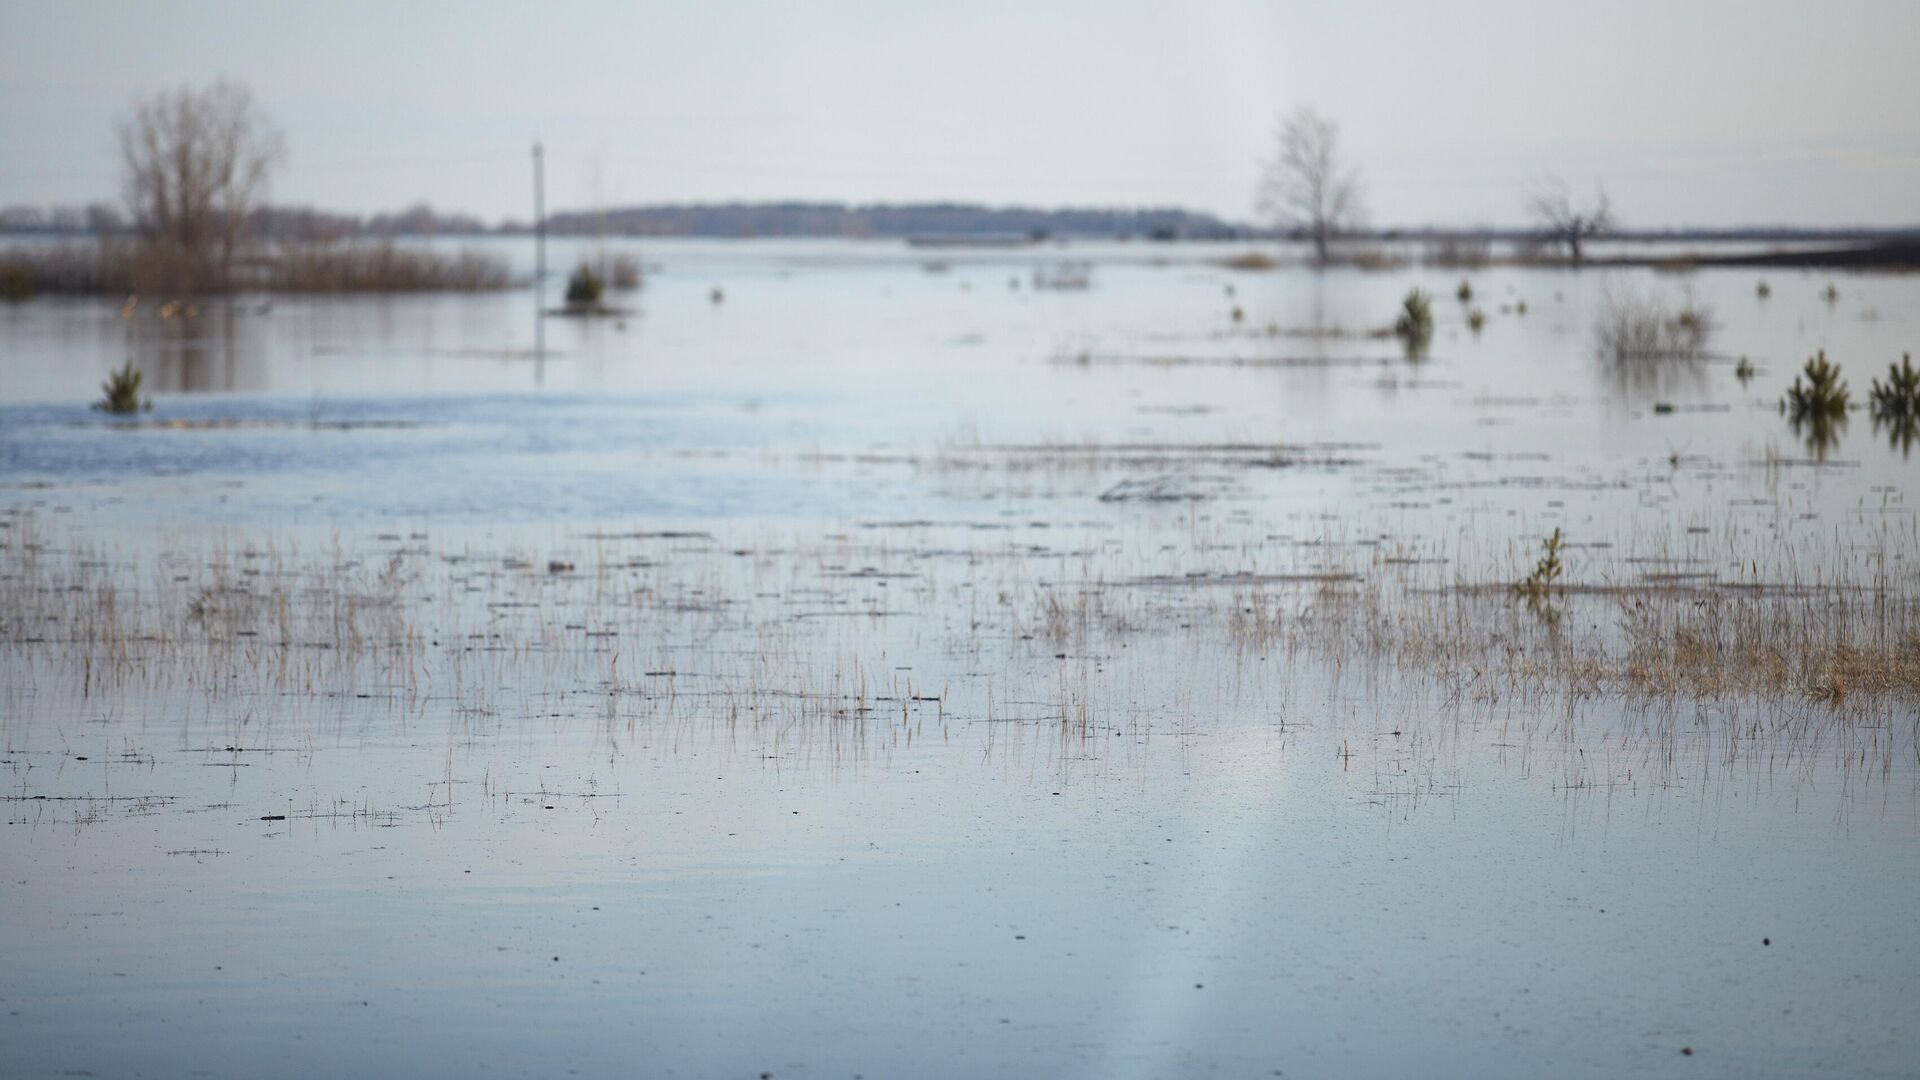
(857, 661)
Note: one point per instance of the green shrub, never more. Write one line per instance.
(120, 394)
(584, 287)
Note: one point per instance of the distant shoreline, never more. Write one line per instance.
(932, 223)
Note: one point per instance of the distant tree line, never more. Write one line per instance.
(730, 220)
(892, 221)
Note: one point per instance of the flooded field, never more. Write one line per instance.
(859, 660)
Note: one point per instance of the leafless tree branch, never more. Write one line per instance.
(1307, 186)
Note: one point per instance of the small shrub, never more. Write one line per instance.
(1831, 294)
(1743, 371)
(1520, 308)
(1545, 572)
(1763, 290)
(1476, 320)
(120, 394)
(1465, 291)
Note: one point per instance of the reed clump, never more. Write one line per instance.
(1250, 260)
(111, 267)
(1632, 327)
(376, 268)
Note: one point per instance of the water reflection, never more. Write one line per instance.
(1638, 380)
(1819, 431)
(1901, 430)
(194, 354)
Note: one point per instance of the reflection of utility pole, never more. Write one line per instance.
(539, 265)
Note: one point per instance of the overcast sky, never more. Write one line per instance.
(1687, 111)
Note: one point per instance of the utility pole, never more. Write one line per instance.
(539, 218)
(539, 264)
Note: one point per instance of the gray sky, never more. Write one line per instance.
(1688, 111)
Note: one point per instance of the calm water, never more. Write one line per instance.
(732, 733)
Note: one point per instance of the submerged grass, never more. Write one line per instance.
(1634, 327)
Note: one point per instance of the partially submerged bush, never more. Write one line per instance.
(1476, 320)
(1763, 290)
(1545, 572)
(1817, 409)
(1414, 325)
(1823, 396)
(1465, 292)
(15, 286)
(1636, 327)
(1899, 396)
(120, 394)
(1896, 405)
(584, 287)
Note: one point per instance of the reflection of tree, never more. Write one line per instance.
(1660, 379)
(1902, 429)
(1820, 431)
(191, 354)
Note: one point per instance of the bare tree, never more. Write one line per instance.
(196, 163)
(1307, 186)
(1563, 221)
